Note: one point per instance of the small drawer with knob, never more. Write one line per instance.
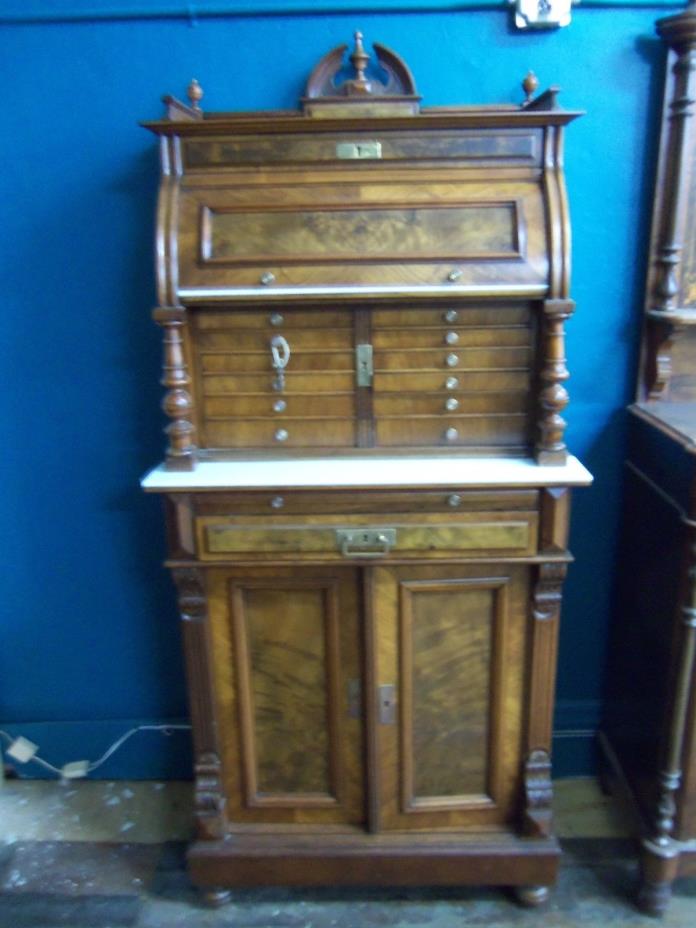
(277, 430)
(446, 401)
(455, 429)
(369, 503)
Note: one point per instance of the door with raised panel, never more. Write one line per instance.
(449, 647)
(286, 657)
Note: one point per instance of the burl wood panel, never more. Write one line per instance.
(286, 655)
(446, 671)
(288, 638)
(371, 228)
(453, 641)
(448, 233)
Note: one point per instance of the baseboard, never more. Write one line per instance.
(151, 755)
(148, 755)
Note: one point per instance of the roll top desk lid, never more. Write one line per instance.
(362, 193)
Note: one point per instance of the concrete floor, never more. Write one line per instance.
(107, 854)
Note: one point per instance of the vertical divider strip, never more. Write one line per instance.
(362, 332)
(372, 765)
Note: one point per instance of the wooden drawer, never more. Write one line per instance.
(510, 147)
(367, 502)
(497, 314)
(452, 337)
(448, 430)
(314, 382)
(452, 359)
(442, 403)
(222, 360)
(264, 433)
(296, 407)
(328, 538)
(489, 381)
(256, 340)
(270, 320)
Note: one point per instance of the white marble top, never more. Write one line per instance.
(367, 472)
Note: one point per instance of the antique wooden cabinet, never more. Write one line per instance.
(366, 482)
(649, 734)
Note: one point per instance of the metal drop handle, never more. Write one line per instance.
(280, 352)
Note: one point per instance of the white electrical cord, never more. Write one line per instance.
(165, 729)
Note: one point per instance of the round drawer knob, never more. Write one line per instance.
(451, 315)
(451, 383)
(281, 435)
(454, 275)
(454, 500)
(267, 278)
(451, 434)
(451, 404)
(280, 406)
(275, 318)
(452, 338)
(277, 502)
(452, 360)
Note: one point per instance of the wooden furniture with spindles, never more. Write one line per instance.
(649, 733)
(366, 481)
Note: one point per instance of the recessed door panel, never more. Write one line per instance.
(287, 669)
(449, 645)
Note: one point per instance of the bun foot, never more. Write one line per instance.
(216, 896)
(532, 896)
(653, 897)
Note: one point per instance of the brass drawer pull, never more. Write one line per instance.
(365, 542)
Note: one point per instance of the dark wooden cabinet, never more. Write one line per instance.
(366, 484)
(649, 733)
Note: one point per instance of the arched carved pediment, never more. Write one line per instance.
(386, 78)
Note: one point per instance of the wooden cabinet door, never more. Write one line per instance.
(449, 647)
(286, 656)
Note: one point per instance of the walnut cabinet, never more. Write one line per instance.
(366, 483)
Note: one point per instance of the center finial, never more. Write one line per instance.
(359, 60)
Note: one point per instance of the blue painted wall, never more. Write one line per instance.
(89, 640)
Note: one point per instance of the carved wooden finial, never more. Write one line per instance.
(194, 92)
(385, 83)
(530, 85)
(359, 60)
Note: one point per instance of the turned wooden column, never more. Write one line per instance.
(177, 402)
(553, 396)
(660, 850)
(665, 317)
